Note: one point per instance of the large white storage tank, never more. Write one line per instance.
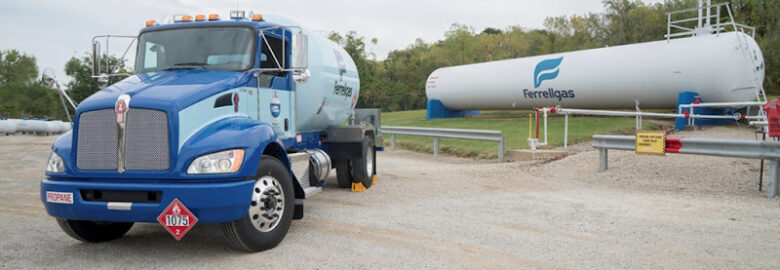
(723, 67)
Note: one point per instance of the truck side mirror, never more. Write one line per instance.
(47, 77)
(95, 58)
(300, 57)
(300, 51)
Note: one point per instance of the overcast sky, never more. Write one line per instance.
(53, 31)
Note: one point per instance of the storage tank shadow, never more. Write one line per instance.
(724, 67)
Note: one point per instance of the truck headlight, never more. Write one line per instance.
(55, 164)
(220, 162)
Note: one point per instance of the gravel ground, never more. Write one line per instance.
(678, 211)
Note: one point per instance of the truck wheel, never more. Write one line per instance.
(270, 212)
(94, 231)
(343, 173)
(365, 167)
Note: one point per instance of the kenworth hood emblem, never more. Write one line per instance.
(121, 108)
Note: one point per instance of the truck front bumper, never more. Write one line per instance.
(210, 202)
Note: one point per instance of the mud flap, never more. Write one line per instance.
(298, 211)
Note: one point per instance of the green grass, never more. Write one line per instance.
(513, 124)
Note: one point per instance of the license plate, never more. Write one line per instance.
(59, 197)
(177, 220)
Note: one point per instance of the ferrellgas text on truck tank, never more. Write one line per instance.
(232, 121)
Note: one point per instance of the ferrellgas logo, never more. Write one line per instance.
(544, 71)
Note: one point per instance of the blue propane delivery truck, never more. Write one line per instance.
(233, 121)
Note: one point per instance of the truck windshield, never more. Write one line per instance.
(212, 48)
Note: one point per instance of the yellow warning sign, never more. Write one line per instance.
(651, 143)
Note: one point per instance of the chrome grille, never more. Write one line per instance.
(97, 141)
(146, 148)
(147, 140)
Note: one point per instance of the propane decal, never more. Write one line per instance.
(547, 70)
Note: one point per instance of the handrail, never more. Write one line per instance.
(436, 133)
(712, 19)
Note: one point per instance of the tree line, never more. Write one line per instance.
(23, 95)
(398, 81)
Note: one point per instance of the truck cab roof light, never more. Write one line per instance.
(257, 17)
(237, 14)
(182, 18)
(200, 18)
(214, 17)
(151, 22)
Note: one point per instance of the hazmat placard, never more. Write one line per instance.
(177, 219)
(651, 143)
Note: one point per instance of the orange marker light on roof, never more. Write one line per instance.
(257, 17)
(213, 17)
(186, 18)
(150, 22)
(200, 18)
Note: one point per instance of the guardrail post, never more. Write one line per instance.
(501, 149)
(774, 178)
(436, 147)
(602, 159)
(392, 141)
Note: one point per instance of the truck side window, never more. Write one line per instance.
(268, 61)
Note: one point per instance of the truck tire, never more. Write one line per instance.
(94, 231)
(364, 167)
(343, 173)
(270, 212)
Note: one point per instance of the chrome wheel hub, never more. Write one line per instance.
(267, 206)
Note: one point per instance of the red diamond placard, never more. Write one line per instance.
(177, 219)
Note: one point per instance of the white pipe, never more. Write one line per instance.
(544, 114)
(533, 142)
(545, 126)
(647, 114)
(618, 113)
(759, 123)
(722, 104)
(565, 131)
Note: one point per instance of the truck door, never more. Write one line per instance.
(276, 104)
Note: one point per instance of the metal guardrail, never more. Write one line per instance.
(436, 133)
(704, 146)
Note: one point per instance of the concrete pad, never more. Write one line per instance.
(528, 155)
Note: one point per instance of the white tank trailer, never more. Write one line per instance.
(7, 127)
(724, 67)
(318, 103)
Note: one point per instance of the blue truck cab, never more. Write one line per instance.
(236, 120)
